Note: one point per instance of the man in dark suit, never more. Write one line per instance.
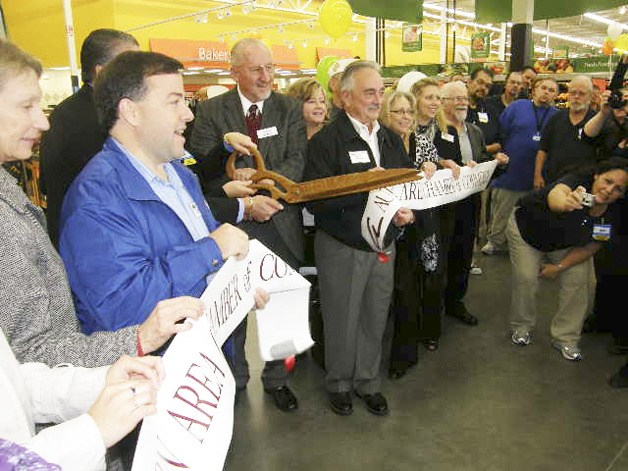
(75, 135)
(463, 143)
(253, 116)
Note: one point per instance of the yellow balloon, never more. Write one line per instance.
(335, 17)
(622, 42)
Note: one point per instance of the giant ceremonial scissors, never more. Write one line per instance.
(321, 188)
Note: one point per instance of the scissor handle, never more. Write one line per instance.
(261, 174)
(275, 192)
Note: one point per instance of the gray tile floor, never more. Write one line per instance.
(478, 403)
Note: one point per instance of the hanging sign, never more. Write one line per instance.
(411, 37)
(480, 45)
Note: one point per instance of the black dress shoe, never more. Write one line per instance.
(284, 398)
(460, 312)
(397, 373)
(375, 403)
(340, 403)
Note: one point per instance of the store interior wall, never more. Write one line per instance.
(38, 26)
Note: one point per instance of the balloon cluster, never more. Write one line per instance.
(617, 40)
(335, 17)
(608, 47)
(622, 43)
(322, 71)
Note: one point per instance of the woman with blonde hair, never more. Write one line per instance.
(419, 275)
(398, 113)
(309, 92)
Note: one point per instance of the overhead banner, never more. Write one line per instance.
(193, 426)
(441, 189)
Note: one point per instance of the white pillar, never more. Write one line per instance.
(370, 40)
(501, 52)
(69, 35)
(443, 36)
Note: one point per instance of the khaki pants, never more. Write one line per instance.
(502, 204)
(573, 289)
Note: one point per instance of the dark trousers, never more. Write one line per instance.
(274, 374)
(416, 304)
(458, 229)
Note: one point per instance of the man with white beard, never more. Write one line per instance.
(563, 140)
(462, 142)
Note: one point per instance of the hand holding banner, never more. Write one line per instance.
(194, 422)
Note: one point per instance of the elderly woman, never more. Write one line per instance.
(38, 321)
(398, 113)
(552, 234)
(311, 95)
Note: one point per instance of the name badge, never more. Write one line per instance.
(536, 137)
(483, 117)
(267, 132)
(601, 232)
(359, 157)
(447, 137)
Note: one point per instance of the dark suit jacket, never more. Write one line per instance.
(327, 156)
(283, 153)
(75, 136)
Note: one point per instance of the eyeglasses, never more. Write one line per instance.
(268, 68)
(457, 99)
(402, 112)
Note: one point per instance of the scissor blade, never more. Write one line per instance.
(348, 184)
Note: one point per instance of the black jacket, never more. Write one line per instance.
(328, 155)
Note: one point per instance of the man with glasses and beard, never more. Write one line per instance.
(563, 140)
(462, 142)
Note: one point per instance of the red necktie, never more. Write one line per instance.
(253, 121)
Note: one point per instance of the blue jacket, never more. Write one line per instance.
(124, 249)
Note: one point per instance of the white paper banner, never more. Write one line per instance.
(441, 189)
(194, 422)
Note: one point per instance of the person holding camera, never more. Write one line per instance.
(551, 232)
(610, 122)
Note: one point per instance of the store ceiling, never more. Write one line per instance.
(582, 27)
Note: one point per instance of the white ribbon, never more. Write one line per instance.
(194, 422)
(441, 189)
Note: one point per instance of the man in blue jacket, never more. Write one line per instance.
(135, 228)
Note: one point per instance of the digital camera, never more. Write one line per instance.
(616, 100)
(588, 200)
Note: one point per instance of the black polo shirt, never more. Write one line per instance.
(546, 230)
(566, 145)
(486, 117)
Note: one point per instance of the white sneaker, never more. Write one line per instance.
(475, 269)
(569, 352)
(520, 337)
(489, 249)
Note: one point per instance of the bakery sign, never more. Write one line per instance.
(193, 53)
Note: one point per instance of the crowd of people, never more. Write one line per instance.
(132, 235)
